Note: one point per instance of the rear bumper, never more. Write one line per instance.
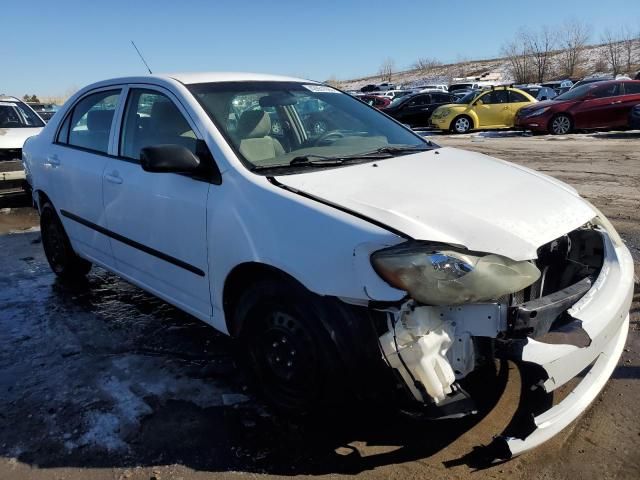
(603, 313)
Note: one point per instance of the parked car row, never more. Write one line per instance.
(589, 104)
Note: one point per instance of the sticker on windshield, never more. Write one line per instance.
(320, 89)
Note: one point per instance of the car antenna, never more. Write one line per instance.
(142, 58)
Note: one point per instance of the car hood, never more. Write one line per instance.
(15, 137)
(456, 197)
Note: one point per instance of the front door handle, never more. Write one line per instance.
(113, 178)
(614, 103)
(53, 160)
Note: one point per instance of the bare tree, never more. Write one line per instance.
(540, 45)
(573, 37)
(426, 64)
(613, 51)
(386, 69)
(517, 54)
(332, 81)
(628, 39)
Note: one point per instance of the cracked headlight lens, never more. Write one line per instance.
(437, 275)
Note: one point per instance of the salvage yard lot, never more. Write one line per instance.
(105, 381)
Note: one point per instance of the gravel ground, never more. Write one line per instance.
(102, 381)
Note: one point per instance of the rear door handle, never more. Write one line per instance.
(53, 160)
(113, 177)
(613, 103)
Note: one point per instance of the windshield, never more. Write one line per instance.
(468, 98)
(276, 124)
(576, 92)
(16, 115)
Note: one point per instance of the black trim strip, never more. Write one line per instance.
(134, 244)
(275, 182)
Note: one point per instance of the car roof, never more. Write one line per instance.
(6, 98)
(206, 77)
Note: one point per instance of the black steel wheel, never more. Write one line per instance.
(62, 259)
(286, 346)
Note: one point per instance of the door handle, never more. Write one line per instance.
(53, 160)
(113, 177)
(613, 103)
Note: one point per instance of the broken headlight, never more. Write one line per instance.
(440, 275)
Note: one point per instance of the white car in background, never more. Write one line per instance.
(18, 121)
(434, 87)
(360, 261)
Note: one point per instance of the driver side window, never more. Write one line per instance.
(151, 118)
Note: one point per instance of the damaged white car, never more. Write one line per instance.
(353, 260)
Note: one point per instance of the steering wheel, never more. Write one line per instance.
(330, 136)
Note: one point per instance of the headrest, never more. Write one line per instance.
(165, 117)
(254, 124)
(99, 120)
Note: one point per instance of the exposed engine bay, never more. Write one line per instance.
(433, 347)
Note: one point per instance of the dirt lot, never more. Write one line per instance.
(102, 381)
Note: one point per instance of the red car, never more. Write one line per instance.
(604, 104)
(375, 100)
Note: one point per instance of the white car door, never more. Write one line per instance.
(158, 221)
(76, 162)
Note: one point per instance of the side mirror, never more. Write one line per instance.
(168, 158)
(479, 102)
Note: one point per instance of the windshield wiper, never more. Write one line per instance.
(395, 150)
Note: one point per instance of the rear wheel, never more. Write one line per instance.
(286, 346)
(461, 124)
(57, 248)
(560, 125)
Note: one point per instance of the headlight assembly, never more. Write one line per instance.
(440, 275)
(536, 113)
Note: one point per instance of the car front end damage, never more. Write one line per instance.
(568, 321)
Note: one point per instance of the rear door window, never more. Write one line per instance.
(89, 123)
(607, 91)
(632, 88)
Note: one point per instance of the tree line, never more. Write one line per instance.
(538, 55)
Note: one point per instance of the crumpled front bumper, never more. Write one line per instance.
(604, 316)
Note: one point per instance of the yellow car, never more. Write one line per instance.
(489, 108)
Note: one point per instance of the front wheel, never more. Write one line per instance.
(560, 125)
(461, 124)
(286, 346)
(57, 248)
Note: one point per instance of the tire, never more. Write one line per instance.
(57, 248)
(461, 124)
(285, 345)
(560, 125)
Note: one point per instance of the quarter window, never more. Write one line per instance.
(517, 97)
(89, 124)
(151, 118)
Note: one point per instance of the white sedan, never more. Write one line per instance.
(360, 261)
(18, 121)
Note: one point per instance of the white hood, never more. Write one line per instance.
(454, 196)
(15, 137)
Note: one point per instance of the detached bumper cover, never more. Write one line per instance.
(603, 313)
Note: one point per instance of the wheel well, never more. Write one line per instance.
(568, 115)
(42, 199)
(241, 276)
